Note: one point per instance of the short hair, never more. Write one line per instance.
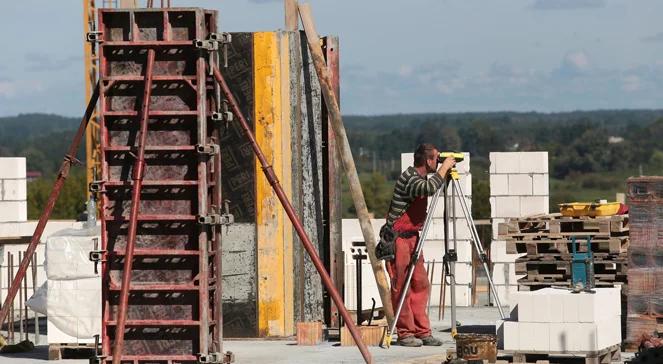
(422, 153)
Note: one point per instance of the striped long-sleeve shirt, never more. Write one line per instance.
(409, 186)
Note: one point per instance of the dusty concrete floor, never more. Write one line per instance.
(481, 319)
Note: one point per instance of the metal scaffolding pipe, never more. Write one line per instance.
(290, 211)
(137, 177)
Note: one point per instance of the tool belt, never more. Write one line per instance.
(386, 248)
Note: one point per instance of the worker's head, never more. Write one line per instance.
(426, 155)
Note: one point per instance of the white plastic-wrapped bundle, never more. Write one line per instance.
(74, 307)
(68, 253)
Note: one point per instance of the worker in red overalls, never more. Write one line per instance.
(406, 217)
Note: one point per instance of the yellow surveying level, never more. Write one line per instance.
(457, 156)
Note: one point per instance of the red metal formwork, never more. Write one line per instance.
(173, 313)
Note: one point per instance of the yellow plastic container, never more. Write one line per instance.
(592, 209)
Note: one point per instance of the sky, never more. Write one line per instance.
(409, 56)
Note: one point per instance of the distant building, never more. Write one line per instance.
(32, 175)
(615, 140)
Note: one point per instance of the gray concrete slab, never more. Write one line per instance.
(480, 319)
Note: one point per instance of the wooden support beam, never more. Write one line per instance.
(291, 21)
(346, 157)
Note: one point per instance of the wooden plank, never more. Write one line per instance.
(284, 39)
(371, 335)
(291, 19)
(309, 333)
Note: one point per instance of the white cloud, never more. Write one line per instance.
(631, 83)
(13, 88)
(405, 70)
(575, 63)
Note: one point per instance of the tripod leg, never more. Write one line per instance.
(413, 262)
(476, 241)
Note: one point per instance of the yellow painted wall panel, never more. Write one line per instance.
(274, 232)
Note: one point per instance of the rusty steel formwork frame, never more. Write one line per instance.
(160, 188)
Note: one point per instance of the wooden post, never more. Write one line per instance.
(346, 157)
(291, 21)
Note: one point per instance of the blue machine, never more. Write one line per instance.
(582, 267)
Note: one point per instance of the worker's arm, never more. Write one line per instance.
(420, 186)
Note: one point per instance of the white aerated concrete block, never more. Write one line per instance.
(407, 160)
(12, 168)
(506, 292)
(13, 190)
(499, 184)
(532, 205)
(510, 335)
(540, 184)
(533, 336)
(498, 253)
(505, 273)
(505, 206)
(463, 295)
(504, 162)
(560, 305)
(434, 250)
(520, 184)
(436, 230)
(11, 211)
(533, 162)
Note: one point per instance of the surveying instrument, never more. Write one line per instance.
(450, 252)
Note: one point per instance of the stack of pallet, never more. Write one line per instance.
(546, 244)
(645, 293)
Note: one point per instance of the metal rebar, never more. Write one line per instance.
(34, 291)
(10, 276)
(69, 159)
(292, 215)
(138, 171)
(20, 303)
(430, 287)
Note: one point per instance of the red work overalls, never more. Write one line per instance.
(413, 320)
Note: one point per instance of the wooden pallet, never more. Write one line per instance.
(557, 226)
(524, 285)
(562, 245)
(70, 351)
(608, 355)
(603, 269)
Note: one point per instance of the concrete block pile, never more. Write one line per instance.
(518, 187)
(645, 272)
(559, 321)
(434, 246)
(13, 190)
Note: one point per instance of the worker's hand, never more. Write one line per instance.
(447, 164)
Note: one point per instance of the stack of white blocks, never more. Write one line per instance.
(352, 241)
(13, 190)
(558, 321)
(518, 187)
(434, 246)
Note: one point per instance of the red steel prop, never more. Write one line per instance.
(69, 159)
(290, 211)
(137, 177)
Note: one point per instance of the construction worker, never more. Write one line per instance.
(406, 217)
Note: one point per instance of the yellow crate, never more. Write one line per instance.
(592, 209)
